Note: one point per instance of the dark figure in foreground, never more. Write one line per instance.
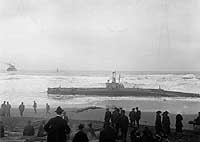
(41, 131)
(21, 109)
(132, 115)
(147, 135)
(80, 136)
(179, 123)
(123, 123)
(108, 134)
(57, 128)
(1, 129)
(115, 119)
(29, 130)
(91, 132)
(166, 123)
(108, 115)
(158, 123)
(138, 116)
(197, 120)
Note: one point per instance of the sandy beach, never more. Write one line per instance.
(77, 116)
(148, 118)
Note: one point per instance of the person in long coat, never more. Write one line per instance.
(80, 136)
(108, 115)
(158, 123)
(123, 123)
(57, 128)
(108, 134)
(132, 117)
(179, 123)
(166, 123)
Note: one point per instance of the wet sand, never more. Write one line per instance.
(77, 116)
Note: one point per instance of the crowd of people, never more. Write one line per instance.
(117, 126)
(6, 108)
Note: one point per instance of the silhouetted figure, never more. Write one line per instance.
(3, 109)
(179, 124)
(47, 108)
(132, 116)
(158, 123)
(197, 120)
(57, 128)
(29, 130)
(108, 115)
(1, 129)
(80, 136)
(166, 123)
(108, 134)
(147, 135)
(35, 106)
(91, 132)
(8, 108)
(123, 123)
(138, 116)
(21, 109)
(138, 137)
(133, 134)
(41, 131)
(115, 119)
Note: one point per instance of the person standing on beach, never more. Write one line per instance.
(158, 123)
(3, 109)
(138, 116)
(8, 107)
(166, 123)
(47, 109)
(132, 117)
(108, 115)
(21, 109)
(35, 106)
(179, 124)
(57, 128)
(123, 124)
(115, 119)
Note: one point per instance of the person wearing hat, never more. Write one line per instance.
(57, 128)
(80, 136)
(158, 123)
(108, 115)
(166, 123)
(132, 115)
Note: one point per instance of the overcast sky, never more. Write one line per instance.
(100, 34)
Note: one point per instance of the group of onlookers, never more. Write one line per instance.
(6, 108)
(116, 126)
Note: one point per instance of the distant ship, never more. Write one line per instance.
(11, 67)
(115, 88)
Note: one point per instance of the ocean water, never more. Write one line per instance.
(27, 86)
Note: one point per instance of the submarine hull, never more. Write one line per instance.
(138, 92)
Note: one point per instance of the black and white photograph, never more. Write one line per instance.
(99, 70)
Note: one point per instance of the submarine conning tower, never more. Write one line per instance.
(114, 84)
